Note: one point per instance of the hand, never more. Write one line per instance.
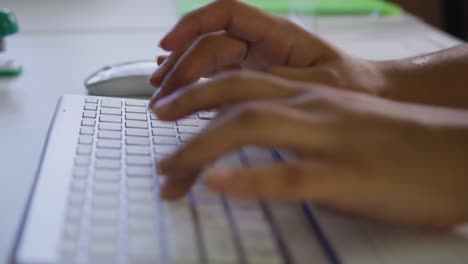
(229, 34)
(391, 161)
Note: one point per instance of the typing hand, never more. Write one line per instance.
(227, 35)
(391, 161)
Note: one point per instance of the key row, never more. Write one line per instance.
(115, 102)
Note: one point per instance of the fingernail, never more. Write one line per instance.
(164, 105)
(154, 98)
(218, 178)
(155, 79)
(166, 166)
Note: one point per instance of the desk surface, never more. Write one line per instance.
(59, 47)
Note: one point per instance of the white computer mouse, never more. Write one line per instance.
(128, 79)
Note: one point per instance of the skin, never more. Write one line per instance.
(280, 86)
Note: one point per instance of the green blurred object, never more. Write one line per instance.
(8, 23)
(312, 7)
(8, 26)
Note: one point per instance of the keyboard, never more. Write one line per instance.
(96, 197)
(104, 193)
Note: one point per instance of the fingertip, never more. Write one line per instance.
(220, 179)
(161, 59)
(154, 82)
(169, 193)
(164, 166)
(165, 42)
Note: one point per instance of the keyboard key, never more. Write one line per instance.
(135, 109)
(76, 199)
(139, 171)
(194, 116)
(104, 233)
(104, 217)
(143, 249)
(254, 231)
(187, 122)
(137, 141)
(188, 129)
(112, 103)
(139, 160)
(135, 103)
(110, 126)
(89, 114)
(180, 232)
(110, 118)
(138, 227)
(153, 116)
(87, 131)
(163, 132)
(107, 164)
(107, 143)
(141, 210)
(185, 137)
(164, 149)
(108, 154)
(82, 161)
(109, 135)
(84, 150)
(88, 122)
(111, 111)
(74, 214)
(160, 140)
(85, 140)
(163, 124)
(68, 250)
(138, 117)
(137, 194)
(80, 172)
(78, 185)
(91, 100)
(136, 132)
(105, 201)
(92, 107)
(136, 124)
(205, 115)
(214, 226)
(138, 150)
(106, 187)
(71, 231)
(107, 175)
(141, 183)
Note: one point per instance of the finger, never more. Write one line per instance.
(160, 59)
(227, 89)
(295, 180)
(175, 187)
(157, 77)
(316, 74)
(261, 124)
(238, 19)
(208, 54)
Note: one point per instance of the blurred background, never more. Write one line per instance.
(448, 15)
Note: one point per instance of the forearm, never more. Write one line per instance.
(440, 78)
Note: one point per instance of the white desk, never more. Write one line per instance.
(64, 41)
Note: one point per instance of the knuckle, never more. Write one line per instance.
(250, 114)
(294, 175)
(235, 79)
(206, 41)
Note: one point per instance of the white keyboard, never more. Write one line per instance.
(109, 210)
